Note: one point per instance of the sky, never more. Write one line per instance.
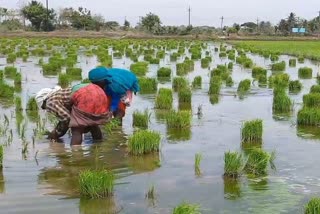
(175, 12)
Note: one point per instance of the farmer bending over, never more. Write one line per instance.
(118, 85)
(82, 108)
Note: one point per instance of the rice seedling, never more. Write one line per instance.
(144, 142)
(186, 208)
(64, 80)
(315, 89)
(96, 184)
(174, 57)
(160, 54)
(231, 56)
(179, 119)
(139, 68)
(279, 80)
(197, 162)
(251, 131)
(148, 85)
(25, 58)
(308, 116)
(1, 157)
(11, 58)
(164, 99)
(32, 104)
(179, 83)
(244, 86)
(274, 57)
(197, 82)
(151, 194)
(229, 81)
(248, 63)
(233, 164)
(281, 101)
(51, 69)
(40, 62)
(17, 80)
(232, 188)
(10, 72)
(292, 62)
(141, 119)
(164, 72)
(215, 85)
(257, 71)
(86, 81)
(230, 65)
(313, 206)
(222, 54)
(305, 73)
(262, 80)
(205, 62)
(216, 49)
(311, 100)
(301, 59)
(280, 66)
(18, 103)
(74, 73)
(184, 95)
(6, 91)
(189, 65)
(295, 86)
(1, 75)
(258, 162)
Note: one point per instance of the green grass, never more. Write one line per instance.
(295, 86)
(308, 49)
(292, 62)
(141, 119)
(148, 85)
(64, 80)
(233, 164)
(139, 68)
(315, 89)
(309, 116)
(197, 82)
(178, 119)
(164, 99)
(258, 162)
(164, 72)
(251, 131)
(305, 73)
(96, 184)
(179, 83)
(313, 206)
(257, 71)
(186, 208)
(197, 162)
(244, 86)
(215, 85)
(281, 101)
(185, 95)
(144, 142)
(280, 66)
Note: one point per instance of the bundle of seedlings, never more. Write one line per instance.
(313, 206)
(233, 164)
(292, 62)
(305, 73)
(64, 80)
(164, 99)
(258, 162)
(75, 73)
(215, 85)
(141, 119)
(197, 82)
(280, 66)
(251, 131)
(178, 119)
(244, 86)
(148, 85)
(144, 142)
(257, 71)
(281, 101)
(164, 72)
(295, 86)
(186, 208)
(179, 83)
(139, 68)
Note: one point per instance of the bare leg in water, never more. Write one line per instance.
(96, 132)
(76, 136)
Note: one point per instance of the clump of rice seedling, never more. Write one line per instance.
(262, 79)
(216, 49)
(1, 156)
(174, 57)
(229, 81)
(214, 99)
(184, 95)
(305, 73)
(144, 142)
(51, 68)
(281, 101)
(301, 59)
(1, 75)
(179, 83)
(141, 119)
(189, 65)
(164, 73)
(179, 119)
(96, 184)
(215, 85)
(258, 161)
(292, 62)
(295, 86)
(230, 65)
(64, 80)
(197, 82)
(280, 66)
(222, 54)
(309, 116)
(40, 62)
(6, 91)
(232, 56)
(244, 86)
(148, 85)
(251, 131)
(18, 103)
(164, 99)
(205, 62)
(313, 206)
(257, 71)
(25, 58)
(279, 80)
(311, 100)
(139, 68)
(86, 81)
(248, 63)
(274, 57)
(17, 80)
(232, 188)
(197, 162)
(315, 89)
(181, 69)
(233, 164)
(11, 58)
(186, 208)
(10, 72)
(74, 72)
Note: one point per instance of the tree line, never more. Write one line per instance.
(38, 18)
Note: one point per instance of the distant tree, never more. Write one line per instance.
(249, 26)
(12, 24)
(126, 24)
(36, 13)
(266, 27)
(292, 21)
(112, 25)
(284, 27)
(151, 23)
(236, 27)
(3, 13)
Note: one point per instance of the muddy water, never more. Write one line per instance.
(45, 179)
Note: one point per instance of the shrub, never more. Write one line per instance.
(251, 131)
(144, 142)
(164, 99)
(96, 184)
(280, 66)
(305, 73)
(148, 85)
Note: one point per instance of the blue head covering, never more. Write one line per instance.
(98, 74)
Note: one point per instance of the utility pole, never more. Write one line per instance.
(222, 23)
(257, 25)
(47, 24)
(189, 11)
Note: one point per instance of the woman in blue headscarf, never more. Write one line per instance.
(118, 85)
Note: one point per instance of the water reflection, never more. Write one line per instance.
(179, 134)
(308, 132)
(98, 206)
(2, 183)
(232, 188)
(259, 184)
(214, 99)
(185, 106)
(161, 115)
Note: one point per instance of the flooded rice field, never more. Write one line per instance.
(39, 176)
